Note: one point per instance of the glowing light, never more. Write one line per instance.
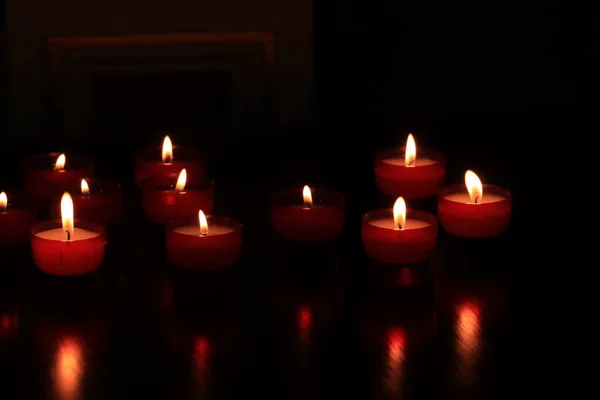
(307, 196)
(167, 150)
(474, 186)
(59, 165)
(66, 211)
(3, 202)
(400, 213)
(410, 156)
(203, 223)
(85, 189)
(181, 181)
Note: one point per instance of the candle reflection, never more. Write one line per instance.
(468, 342)
(396, 352)
(68, 368)
(304, 327)
(200, 366)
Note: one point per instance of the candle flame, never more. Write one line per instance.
(474, 186)
(66, 211)
(3, 201)
(203, 223)
(400, 213)
(59, 165)
(410, 156)
(85, 189)
(181, 181)
(307, 195)
(167, 150)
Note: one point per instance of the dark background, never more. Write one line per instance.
(502, 88)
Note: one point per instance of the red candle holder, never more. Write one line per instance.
(322, 222)
(460, 217)
(55, 255)
(148, 162)
(101, 204)
(44, 183)
(422, 181)
(218, 249)
(162, 203)
(411, 245)
(16, 220)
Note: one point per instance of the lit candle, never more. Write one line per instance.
(61, 248)
(474, 210)
(204, 243)
(308, 215)
(173, 196)
(95, 200)
(399, 235)
(17, 215)
(410, 173)
(167, 160)
(49, 175)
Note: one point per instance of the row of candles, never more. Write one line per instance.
(177, 194)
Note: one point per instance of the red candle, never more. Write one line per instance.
(167, 160)
(204, 243)
(474, 210)
(17, 215)
(399, 236)
(173, 196)
(59, 248)
(95, 200)
(307, 215)
(49, 175)
(408, 173)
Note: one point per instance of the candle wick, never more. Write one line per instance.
(476, 200)
(68, 235)
(412, 163)
(2, 209)
(87, 194)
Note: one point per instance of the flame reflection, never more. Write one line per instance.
(200, 368)
(468, 342)
(304, 328)
(68, 368)
(396, 352)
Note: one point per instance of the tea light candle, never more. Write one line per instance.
(17, 215)
(474, 210)
(59, 248)
(167, 160)
(49, 175)
(204, 243)
(169, 197)
(410, 174)
(308, 215)
(95, 200)
(398, 235)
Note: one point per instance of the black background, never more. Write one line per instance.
(504, 99)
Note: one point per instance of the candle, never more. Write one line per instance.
(167, 160)
(410, 173)
(49, 175)
(399, 236)
(17, 215)
(173, 196)
(60, 248)
(474, 210)
(204, 243)
(308, 215)
(95, 200)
